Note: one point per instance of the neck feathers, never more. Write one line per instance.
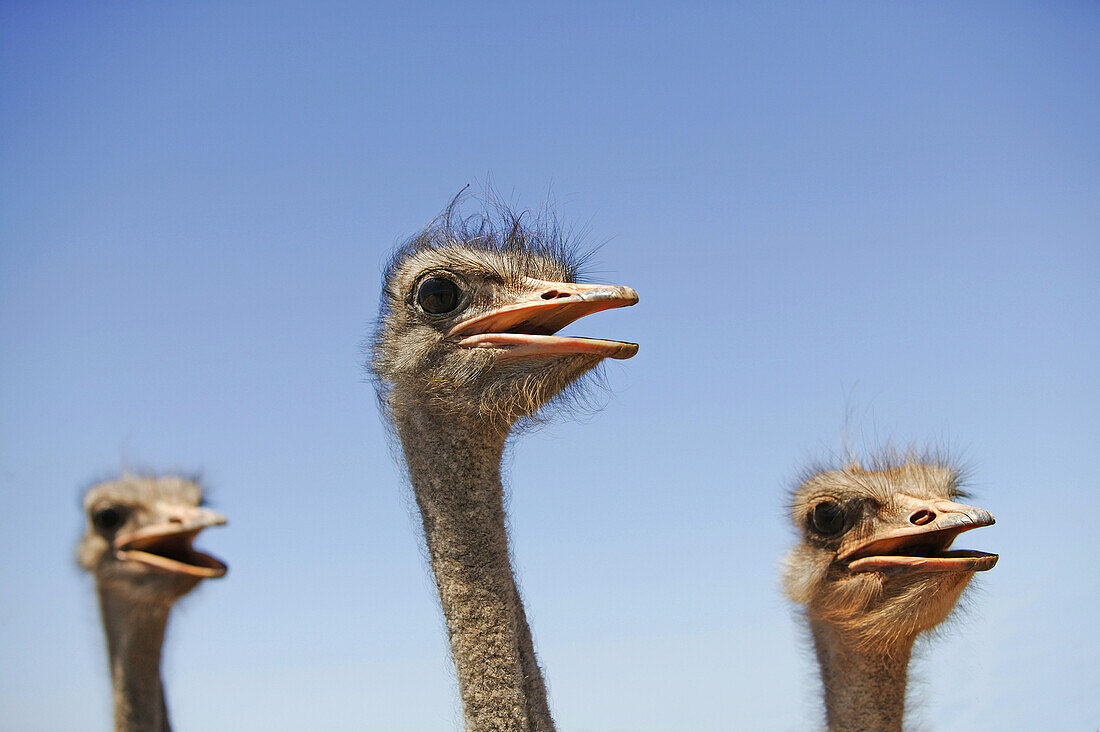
(864, 689)
(455, 472)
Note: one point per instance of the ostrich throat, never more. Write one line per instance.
(864, 688)
(135, 637)
(454, 467)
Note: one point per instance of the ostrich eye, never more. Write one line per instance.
(828, 519)
(109, 519)
(438, 295)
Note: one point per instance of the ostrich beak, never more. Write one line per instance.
(525, 329)
(916, 539)
(166, 545)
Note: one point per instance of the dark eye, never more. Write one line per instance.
(438, 295)
(828, 519)
(110, 518)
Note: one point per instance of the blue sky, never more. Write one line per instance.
(879, 220)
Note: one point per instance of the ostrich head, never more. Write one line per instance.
(138, 538)
(469, 316)
(873, 557)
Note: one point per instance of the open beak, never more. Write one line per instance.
(918, 541)
(168, 545)
(527, 328)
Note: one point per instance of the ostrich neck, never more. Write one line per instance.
(455, 475)
(864, 690)
(135, 636)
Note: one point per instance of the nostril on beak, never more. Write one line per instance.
(553, 295)
(922, 517)
(175, 520)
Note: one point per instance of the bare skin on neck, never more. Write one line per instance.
(467, 346)
(135, 637)
(137, 545)
(873, 570)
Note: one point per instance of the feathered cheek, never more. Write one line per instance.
(854, 594)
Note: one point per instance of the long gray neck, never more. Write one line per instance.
(864, 690)
(135, 636)
(455, 473)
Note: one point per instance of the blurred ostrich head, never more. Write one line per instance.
(138, 538)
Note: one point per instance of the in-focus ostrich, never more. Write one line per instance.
(874, 571)
(137, 545)
(465, 349)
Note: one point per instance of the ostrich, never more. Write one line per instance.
(465, 350)
(874, 571)
(137, 545)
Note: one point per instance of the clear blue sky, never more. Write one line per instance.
(883, 210)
